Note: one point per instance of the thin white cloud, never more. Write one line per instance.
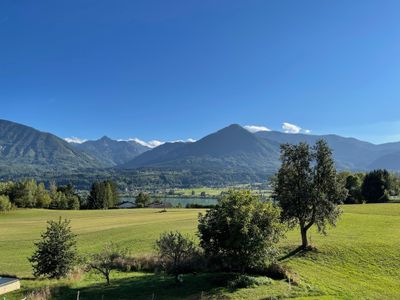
(156, 143)
(75, 140)
(150, 144)
(256, 128)
(292, 128)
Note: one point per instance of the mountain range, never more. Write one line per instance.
(232, 149)
(111, 152)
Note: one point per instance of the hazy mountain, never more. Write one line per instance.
(349, 153)
(231, 148)
(112, 152)
(23, 147)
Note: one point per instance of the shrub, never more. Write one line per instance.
(39, 294)
(176, 252)
(240, 233)
(5, 204)
(146, 263)
(244, 281)
(104, 262)
(55, 253)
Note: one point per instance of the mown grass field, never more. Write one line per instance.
(359, 259)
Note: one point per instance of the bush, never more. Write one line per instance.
(56, 252)
(241, 232)
(177, 253)
(5, 204)
(244, 281)
(105, 261)
(147, 263)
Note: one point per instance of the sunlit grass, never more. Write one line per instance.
(359, 259)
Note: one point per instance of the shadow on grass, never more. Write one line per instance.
(153, 287)
(299, 251)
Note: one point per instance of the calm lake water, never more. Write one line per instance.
(176, 200)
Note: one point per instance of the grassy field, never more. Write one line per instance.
(359, 259)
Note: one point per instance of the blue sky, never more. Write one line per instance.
(172, 70)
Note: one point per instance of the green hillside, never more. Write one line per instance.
(359, 258)
(26, 149)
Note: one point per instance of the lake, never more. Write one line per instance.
(175, 201)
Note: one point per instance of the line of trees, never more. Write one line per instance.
(30, 194)
(376, 186)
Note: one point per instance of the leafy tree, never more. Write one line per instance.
(376, 186)
(23, 193)
(142, 199)
(104, 262)
(307, 189)
(42, 197)
(394, 184)
(175, 251)
(103, 195)
(241, 231)
(353, 186)
(5, 204)
(55, 253)
(6, 188)
(72, 198)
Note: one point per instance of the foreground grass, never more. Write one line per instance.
(360, 258)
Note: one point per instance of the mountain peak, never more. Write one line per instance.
(105, 139)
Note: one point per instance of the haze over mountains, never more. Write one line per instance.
(231, 149)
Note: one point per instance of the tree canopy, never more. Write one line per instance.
(307, 188)
(241, 232)
(55, 253)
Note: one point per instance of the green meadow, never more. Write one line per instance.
(358, 259)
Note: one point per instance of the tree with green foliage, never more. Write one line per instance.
(5, 204)
(241, 232)
(72, 199)
(142, 199)
(176, 252)
(104, 261)
(376, 186)
(55, 253)
(42, 196)
(103, 195)
(307, 188)
(23, 194)
(6, 187)
(353, 186)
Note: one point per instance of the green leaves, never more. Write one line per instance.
(241, 232)
(307, 188)
(55, 253)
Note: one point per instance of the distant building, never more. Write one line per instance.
(8, 285)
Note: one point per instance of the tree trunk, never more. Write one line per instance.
(304, 240)
(108, 279)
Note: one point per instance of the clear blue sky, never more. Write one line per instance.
(180, 69)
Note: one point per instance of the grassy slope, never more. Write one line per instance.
(358, 259)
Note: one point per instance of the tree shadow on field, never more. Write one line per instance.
(151, 287)
(298, 252)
